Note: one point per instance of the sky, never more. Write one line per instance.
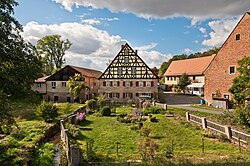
(158, 29)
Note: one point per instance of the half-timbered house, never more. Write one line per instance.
(128, 77)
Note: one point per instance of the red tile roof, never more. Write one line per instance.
(88, 72)
(194, 66)
(42, 79)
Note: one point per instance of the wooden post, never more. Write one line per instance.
(204, 123)
(228, 132)
(117, 143)
(187, 116)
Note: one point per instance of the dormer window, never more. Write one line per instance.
(238, 37)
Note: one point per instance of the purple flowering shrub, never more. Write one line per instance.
(81, 116)
(145, 104)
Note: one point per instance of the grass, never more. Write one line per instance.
(203, 106)
(106, 131)
(15, 148)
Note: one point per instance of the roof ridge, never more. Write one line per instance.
(83, 68)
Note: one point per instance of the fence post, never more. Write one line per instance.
(165, 106)
(204, 123)
(188, 116)
(228, 132)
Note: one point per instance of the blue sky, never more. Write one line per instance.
(157, 29)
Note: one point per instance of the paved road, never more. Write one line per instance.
(188, 107)
(184, 101)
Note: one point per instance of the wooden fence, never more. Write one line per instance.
(72, 152)
(164, 106)
(226, 130)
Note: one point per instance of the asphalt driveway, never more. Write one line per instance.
(178, 99)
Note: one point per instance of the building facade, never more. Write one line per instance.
(194, 68)
(128, 77)
(223, 69)
(54, 88)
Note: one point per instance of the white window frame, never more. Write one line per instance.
(114, 95)
(108, 84)
(127, 84)
(114, 84)
(108, 95)
(64, 84)
(234, 69)
(148, 84)
(53, 85)
(140, 84)
(128, 95)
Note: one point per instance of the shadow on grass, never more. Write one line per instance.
(84, 123)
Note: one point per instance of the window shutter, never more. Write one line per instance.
(124, 95)
(118, 95)
(110, 95)
(118, 83)
(103, 93)
(104, 83)
(152, 83)
(123, 83)
(131, 83)
(152, 95)
(137, 83)
(144, 83)
(131, 95)
(111, 83)
(137, 94)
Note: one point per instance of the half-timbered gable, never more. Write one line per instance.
(128, 77)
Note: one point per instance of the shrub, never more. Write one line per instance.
(105, 111)
(154, 110)
(47, 111)
(44, 156)
(243, 114)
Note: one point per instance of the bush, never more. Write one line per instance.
(243, 114)
(44, 156)
(105, 111)
(47, 111)
(154, 110)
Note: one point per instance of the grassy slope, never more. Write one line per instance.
(187, 139)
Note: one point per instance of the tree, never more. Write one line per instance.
(6, 120)
(19, 65)
(183, 82)
(241, 84)
(76, 84)
(52, 48)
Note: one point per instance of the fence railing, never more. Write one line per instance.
(72, 152)
(164, 106)
(226, 130)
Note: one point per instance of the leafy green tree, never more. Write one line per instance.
(19, 64)
(241, 84)
(6, 120)
(76, 84)
(52, 48)
(183, 82)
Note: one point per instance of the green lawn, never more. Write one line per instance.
(106, 131)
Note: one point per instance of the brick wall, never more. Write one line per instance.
(217, 76)
(106, 87)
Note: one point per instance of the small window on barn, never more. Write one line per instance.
(237, 36)
(38, 85)
(64, 84)
(232, 69)
(53, 84)
(133, 71)
(126, 59)
(226, 96)
(119, 71)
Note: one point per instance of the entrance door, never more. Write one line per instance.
(55, 99)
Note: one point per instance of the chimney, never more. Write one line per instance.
(136, 51)
(122, 46)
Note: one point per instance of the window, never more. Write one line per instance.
(226, 96)
(140, 84)
(53, 85)
(64, 84)
(119, 71)
(126, 59)
(127, 84)
(107, 84)
(128, 95)
(109, 95)
(133, 71)
(193, 77)
(237, 36)
(232, 69)
(94, 84)
(115, 84)
(38, 85)
(148, 84)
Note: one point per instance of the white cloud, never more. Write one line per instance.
(196, 41)
(147, 47)
(187, 51)
(197, 10)
(203, 30)
(97, 21)
(92, 47)
(91, 21)
(220, 31)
